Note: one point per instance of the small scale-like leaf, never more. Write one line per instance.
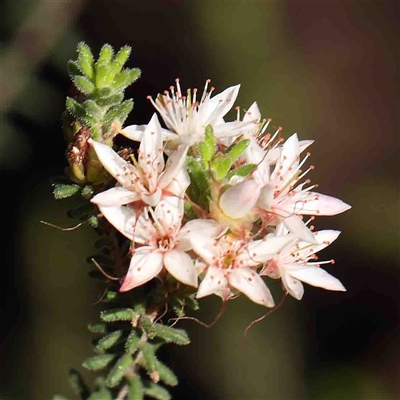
(73, 68)
(171, 335)
(135, 388)
(156, 391)
(87, 192)
(123, 55)
(99, 327)
(126, 78)
(78, 385)
(106, 54)
(118, 113)
(147, 325)
(236, 150)
(149, 357)
(84, 85)
(104, 76)
(92, 109)
(62, 191)
(110, 296)
(95, 363)
(132, 343)
(166, 374)
(243, 170)
(220, 166)
(102, 394)
(108, 341)
(111, 100)
(118, 370)
(199, 188)
(207, 145)
(85, 59)
(118, 314)
(74, 108)
(191, 303)
(93, 221)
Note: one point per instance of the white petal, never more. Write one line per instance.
(214, 282)
(114, 164)
(238, 200)
(176, 162)
(323, 238)
(151, 159)
(266, 199)
(179, 183)
(169, 213)
(252, 285)
(181, 267)
(133, 132)
(318, 277)
(215, 108)
(293, 286)
(206, 247)
(152, 199)
(296, 226)
(116, 196)
(123, 218)
(252, 114)
(323, 205)
(145, 265)
(234, 128)
(260, 251)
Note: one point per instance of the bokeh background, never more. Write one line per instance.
(327, 70)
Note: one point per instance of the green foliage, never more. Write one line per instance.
(199, 188)
(78, 385)
(171, 335)
(118, 371)
(220, 166)
(135, 388)
(118, 314)
(207, 145)
(98, 362)
(237, 149)
(62, 191)
(156, 391)
(108, 341)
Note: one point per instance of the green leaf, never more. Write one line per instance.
(156, 391)
(102, 394)
(118, 371)
(236, 150)
(108, 341)
(207, 145)
(110, 296)
(93, 221)
(78, 385)
(111, 100)
(118, 314)
(126, 78)
(243, 170)
(147, 325)
(135, 388)
(149, 357)
(191, 303)
(87, 192)
(166, 374)
(123, 55)
(106, 54)
(62, 191)
(73, 68)
(74, 108)
(85, 60)
(220, 167)
(95, 363)
(84, 85)
(97, 328)
(132, 343)
(92, 109)
(171, 335)
(118, 113)
(104, 76)
(199, 189)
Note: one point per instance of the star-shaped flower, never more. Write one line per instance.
(297, 262)
(187, 116)
(231, 266)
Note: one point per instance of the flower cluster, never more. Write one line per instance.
(217, 205)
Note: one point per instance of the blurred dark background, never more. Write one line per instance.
(327, 70)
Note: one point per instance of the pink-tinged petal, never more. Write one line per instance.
(152, 199)
(181, 267)
(169, 213)
(206, 247)
(318, 277)
(116, 196)
(266, 199)
(260, 251)
(214, 282)
(176, 162)
(179, 183)
(287, 163)
(235, 128)
(251, 284)
(323, 238)
(322, 205)
(239, 200)
(135, 132)
(216, 107)
(145, 265)
(151, 158)
(298, 228)
(123, 218)
(205, 227)
(294, 287)
(252, 114)
(123, 172)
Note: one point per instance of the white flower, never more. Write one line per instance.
(187, 116)
(292, 264)
(148, 181)
(164, 245)
(284, 202)
(231, 263)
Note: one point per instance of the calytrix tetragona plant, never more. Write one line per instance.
(203, 207)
